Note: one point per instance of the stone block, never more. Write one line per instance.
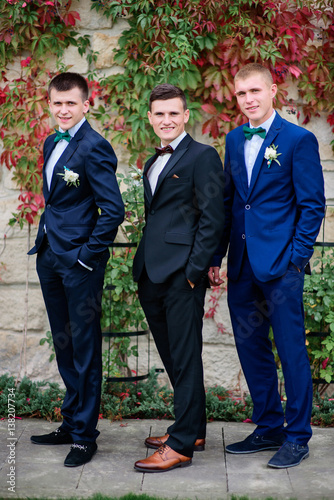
(38, 366)
(222, 367)
(75, 61)
(90, 19)
(13, 307)
(106, 72)
(15, 259)
(8, 204)
(103, 44)
(329, 186)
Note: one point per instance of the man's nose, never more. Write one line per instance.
(249, 97)
(63, 109)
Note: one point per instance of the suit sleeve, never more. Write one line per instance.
(228, 203)
(101, 166)
(309, 190)
(209, 201)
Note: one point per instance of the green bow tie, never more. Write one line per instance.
(249, 132)
(62, 135)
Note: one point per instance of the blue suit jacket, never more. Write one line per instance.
(81, 221)
(278, 216)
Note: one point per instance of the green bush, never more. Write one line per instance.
(145, 399)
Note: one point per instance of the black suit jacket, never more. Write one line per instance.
(185, 216)
(81, 221)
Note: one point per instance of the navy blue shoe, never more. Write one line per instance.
(289, 455)
(256, 442)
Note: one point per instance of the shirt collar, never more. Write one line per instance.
(267, 124)
(177, 141)
(73, 130)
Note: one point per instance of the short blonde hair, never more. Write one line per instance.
(252, 68)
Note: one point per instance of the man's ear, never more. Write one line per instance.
(273, 90)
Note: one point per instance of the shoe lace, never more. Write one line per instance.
(162, 449)
(78, 446)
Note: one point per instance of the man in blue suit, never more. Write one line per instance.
(83, 208)
(274, 206)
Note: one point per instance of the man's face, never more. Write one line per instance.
(168, 119)
(255, 98)
(67, 107)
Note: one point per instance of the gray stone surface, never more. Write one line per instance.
(214, 474)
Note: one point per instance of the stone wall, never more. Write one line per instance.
(20, 306)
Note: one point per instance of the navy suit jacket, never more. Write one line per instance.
(81, 222)
(185, 216)
(279, 215)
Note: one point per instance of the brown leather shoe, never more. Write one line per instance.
(162, 460)
(156, 442)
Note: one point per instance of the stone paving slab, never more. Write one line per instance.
(214, 474)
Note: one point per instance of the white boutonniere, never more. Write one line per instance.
(70, 177)
(271, 154)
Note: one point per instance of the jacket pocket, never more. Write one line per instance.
(179, 238)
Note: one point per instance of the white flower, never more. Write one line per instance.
(271, 154)
(70, 177)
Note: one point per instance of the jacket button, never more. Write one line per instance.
(243, 236)
(247, 207)
(152, 212)
(48, 206)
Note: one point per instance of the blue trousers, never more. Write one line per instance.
(254, 307)
(73, 302)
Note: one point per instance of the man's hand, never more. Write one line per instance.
(214, 278)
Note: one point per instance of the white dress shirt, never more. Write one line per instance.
(160, 163)
(253, 146)
(58, 151)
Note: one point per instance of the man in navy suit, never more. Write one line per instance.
(274, 206)
(183, 184)
(83, 209)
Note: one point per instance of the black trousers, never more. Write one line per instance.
(174, 312)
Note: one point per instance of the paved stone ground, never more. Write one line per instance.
(40, 473)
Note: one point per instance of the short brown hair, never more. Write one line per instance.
(67, 81)
(251, 68)
(166, 91)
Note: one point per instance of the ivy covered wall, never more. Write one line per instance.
(198, 45)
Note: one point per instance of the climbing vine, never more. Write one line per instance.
(196, 44)
(33, 37)
(200, 45)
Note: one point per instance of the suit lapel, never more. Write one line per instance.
(269, 139)
(176, 156)
(66, 156)
(241, 162)
(147, 187)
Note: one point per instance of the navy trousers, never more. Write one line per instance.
(73, 302)
(174, 312)
(254, 307)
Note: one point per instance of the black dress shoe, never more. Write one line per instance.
(56, 437)
(256, 442)
(81, 453)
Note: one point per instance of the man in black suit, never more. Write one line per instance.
(83, 208)
(183, 184)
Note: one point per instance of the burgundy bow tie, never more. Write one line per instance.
(165, 150)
